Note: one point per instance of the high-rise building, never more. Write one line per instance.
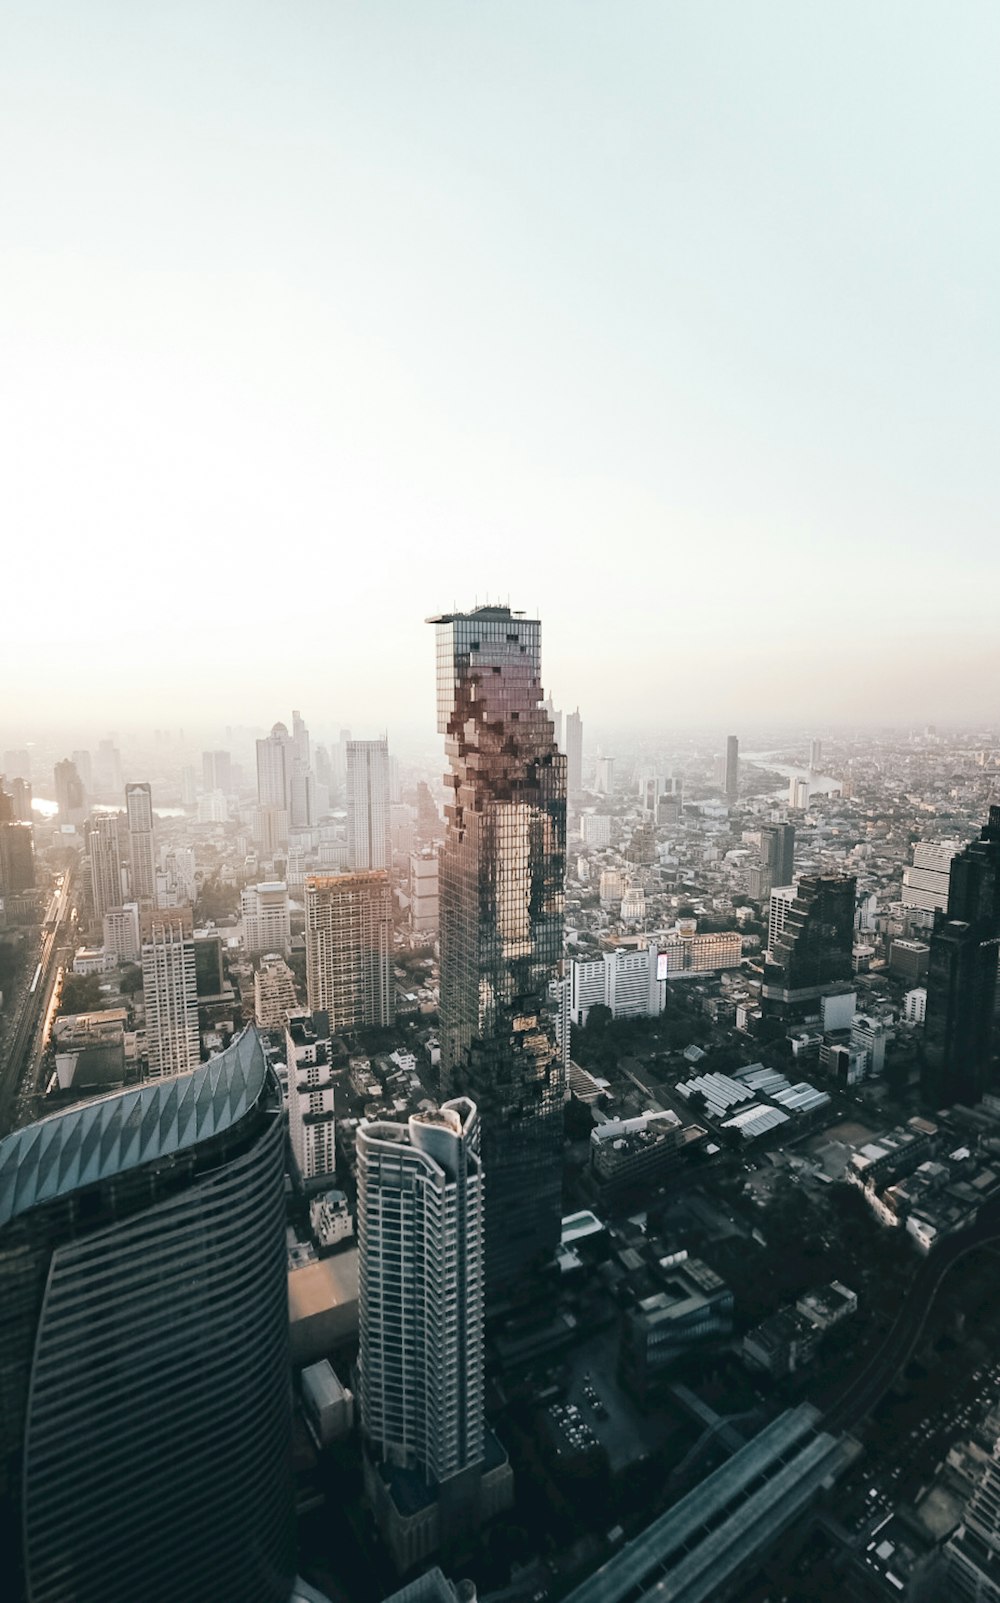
(217, 771)
(781, 899)
(84, 767)
(145, 1408)
(302, 751)
(425, 914)
(574, 754)
(349, 949)
(141, 845)
(108, 769)
(105, 862)
(303, 802)
(273, 993)
(925, 884)
(970, 1569)
(420, 1366)
(815, 756)
(270, 827)
(556, 719)
(312, 1125)
(631, 983)
(275, 755)
(19, 791)
(812, 954)
(170, 991)
(266, 918)
(962, 975)
(501, 875)
(732, 780)
(70, 796)
(777, 852)
(17, 858)
(368, 805)
(604, 781)
(122, 938)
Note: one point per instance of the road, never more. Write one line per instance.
(20, 1054)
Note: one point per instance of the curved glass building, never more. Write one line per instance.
(145, 1406)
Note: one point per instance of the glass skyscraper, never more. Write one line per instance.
(959, 1034)
(501, 882)
(145, 1405)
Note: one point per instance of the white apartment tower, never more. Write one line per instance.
(421, 1265)
(141, 848)
(170, 992)
(312, 1125)
(782, 897)
(266, 917)
(368, 804)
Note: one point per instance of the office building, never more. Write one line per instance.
(915, 1005)
(925, 883)
(777, 852)
(275, 755)
(303, 800)
(17, 852)
(556, 720)
(270, 828)
(574, 754)
(909, 960)
(145, 1423)
(420, 1366)
(368, 805)
(812, 953)
(273, 992)
(604, 782)
(105, 847)
(869, 1036)
(424, 897)
(217, 771)
(312, 1126)
(266, 918)
(628, 982)
(596, 830)
(962, 975)
(70, 795)
(141, 846)
(684, 953)
(349, 949)
(170, 992)
(502, 870)
(732, 778)
(121, 933)
(815, 756)
(781, 899)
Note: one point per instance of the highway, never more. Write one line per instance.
(24, 1046)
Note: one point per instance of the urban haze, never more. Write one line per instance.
(499, 803)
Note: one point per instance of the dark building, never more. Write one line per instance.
(962, 975)
(777, 852)
(732, 767)
(145, 1408)
(502, 869)
(217, 771)
(70, 795)
(17, 859)
(811, 956)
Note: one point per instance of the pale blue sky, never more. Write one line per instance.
(676, 322)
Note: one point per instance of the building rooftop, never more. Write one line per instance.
(114, 1134)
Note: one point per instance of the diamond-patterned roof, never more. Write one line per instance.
(111, 1134)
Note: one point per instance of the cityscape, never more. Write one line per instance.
(499, 803)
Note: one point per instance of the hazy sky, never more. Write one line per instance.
(677, 322)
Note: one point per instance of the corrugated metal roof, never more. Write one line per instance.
(113, 1134)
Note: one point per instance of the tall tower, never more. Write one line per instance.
(368, 814)
(146, 1420)
(105, 863)
(70, 795)
(962, 975)
(810, 955)
(141, 850)
(421, 1272)
(349, 949)
(574, 754)
(170, 992)
(501, 887)
(274, 769)
(732, 767)
(777, 852)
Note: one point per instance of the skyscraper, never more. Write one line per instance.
(925, 884)
(574, 754)
(274, 768)
(170, 992)
(145, 1409)
(501, 890)
(105, 863)
(70, 797)
(815, 755)
(732, 767)
(349, 949)
(812, 954)
(962, 975)
(421, 1271)
(217, 771)
(141, 848)
(368, 807)
(604, 782)
(266, 918)
(777, 852)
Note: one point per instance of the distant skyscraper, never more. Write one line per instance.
(141, 846)
(349, 949)
(105, 862)
(84, 768)
(501, 878)
(815, 755)
(962, 975)
(17, 857)
(300, 740)
(925, 884)
(368, 806)
(20, 794)
(266, 918)
(108, 769)
(170, 992)
(146, 1422)
(275, 755)
(217, 771)
(70, 797)
(732, 767)
(604, 782)
(421, 1272)
(812, 954)
(777, 852)
(574, 754)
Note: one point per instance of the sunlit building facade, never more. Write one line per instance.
(349, 949)
(141, 846)
(502, 870)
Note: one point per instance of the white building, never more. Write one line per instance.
(605, 782)
(925, 884)
(683, 954)
(141, 851)
(596, 829)
(612, 887)
(782, 897)
(266, 917)
(798, 794)
(212, 807)
(312, 1125)
(368, 804)
(424, 904)
(869, 1035)
(633, 904)
(624, 980)
(121, 933)
(169, 992)
(915, 1005)
(330, 1218)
